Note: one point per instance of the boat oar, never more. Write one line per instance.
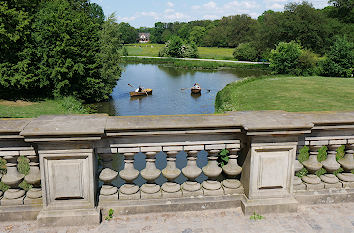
(130, 85)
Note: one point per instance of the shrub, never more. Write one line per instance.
(307, 63)
(246, 52)
(340, 59)
(176, 47)
(284, 59)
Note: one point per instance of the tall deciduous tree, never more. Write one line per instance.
(128, 33)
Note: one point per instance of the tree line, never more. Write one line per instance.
(314, 29)
(53, 48)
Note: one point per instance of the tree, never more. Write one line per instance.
(340, 59)
(176, 47)
(156, 36)
(284, 58)
(197, 34)
(246, 52)
(344, 9)
(128, 33)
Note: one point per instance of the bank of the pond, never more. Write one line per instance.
(197, 64)
(24, 109)
(152, 50)
(293, 94)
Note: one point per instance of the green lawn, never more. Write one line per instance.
(152, 50)
(22, 109)
(293, 94)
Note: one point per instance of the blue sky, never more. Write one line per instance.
(146, 12)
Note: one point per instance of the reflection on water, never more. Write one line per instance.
(171, 90)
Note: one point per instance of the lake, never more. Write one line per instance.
(171, 90)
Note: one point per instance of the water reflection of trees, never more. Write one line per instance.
(176, 72)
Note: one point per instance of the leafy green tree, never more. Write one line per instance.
(340, 59)
(284, 59)
(197, 34)
(128, 33)
(156, 36)
(344, 9)
(176, 47)
(246, 52)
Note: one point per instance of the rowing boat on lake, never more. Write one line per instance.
(141, 93)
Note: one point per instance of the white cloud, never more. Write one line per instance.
(170, 4)
(210, 5)
(211, 17)
(176, 16)
(196, 7)
(167, 11)
(276, 6)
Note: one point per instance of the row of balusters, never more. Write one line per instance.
(18, 188)
(171, 189)
(334, 177)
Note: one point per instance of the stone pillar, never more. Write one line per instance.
(108, 192)
(191, 171)
(267, 173)
(171, 172)
(66, 148)
(212, 187)
(150, 190)
(331, 165)
(232, 170)
(129, 190)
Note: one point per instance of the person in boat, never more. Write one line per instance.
(196, 86)
(140, 89)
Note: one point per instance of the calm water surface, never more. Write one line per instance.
(171, 94)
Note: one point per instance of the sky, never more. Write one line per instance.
(144, 13)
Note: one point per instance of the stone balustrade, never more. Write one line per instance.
(67, 169)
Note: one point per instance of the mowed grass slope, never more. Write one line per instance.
(293, 94)
(152, 50)
(24, 109)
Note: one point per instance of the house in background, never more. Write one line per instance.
(144, 37)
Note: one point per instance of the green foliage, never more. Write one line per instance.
(339, 170)
(285, 58)
(54, 49)
(256, 217)
(307, 63)
(176, 47)
(4, 187)
(197, 34)
(223, 157)
(321, 172)
(25, 186)
(3, 167)
(304, 154)
(352, 171)
(23, 166)
(128, 33)
(340, 152)
(109, 57)
(340, 59)
(302, 172)
(322, 154)
(110, 214)
(246, 52)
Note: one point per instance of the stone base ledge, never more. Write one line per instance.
(127, 207)
(19, 212)
(72, 217)
(325, 196)
(270, 205)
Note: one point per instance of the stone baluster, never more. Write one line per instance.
(212, 187)
(347, 163)
(107, 160)
(297, 182)
(34, 195)
(171, 172)
(129, 191)
(232, 169)
(191, 171)
(108, 192)
(331, 165)
(150, 190)
(14, 195)
(313, 182)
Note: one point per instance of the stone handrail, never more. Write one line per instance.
(72, 157)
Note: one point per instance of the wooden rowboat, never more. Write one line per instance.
(196, 90)
(141, 93)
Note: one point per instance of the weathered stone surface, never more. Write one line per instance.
(191, 186)
(329, 178)
(346, 177)
(347, 184)
(171, 187)
(107, 175)
(272, 205)
(108, 190)
(333, 185)
(311, 179)
(134, 196)
(312, 187)
(129, 189)
(34, 193)
(300, 187)
(196, 193)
